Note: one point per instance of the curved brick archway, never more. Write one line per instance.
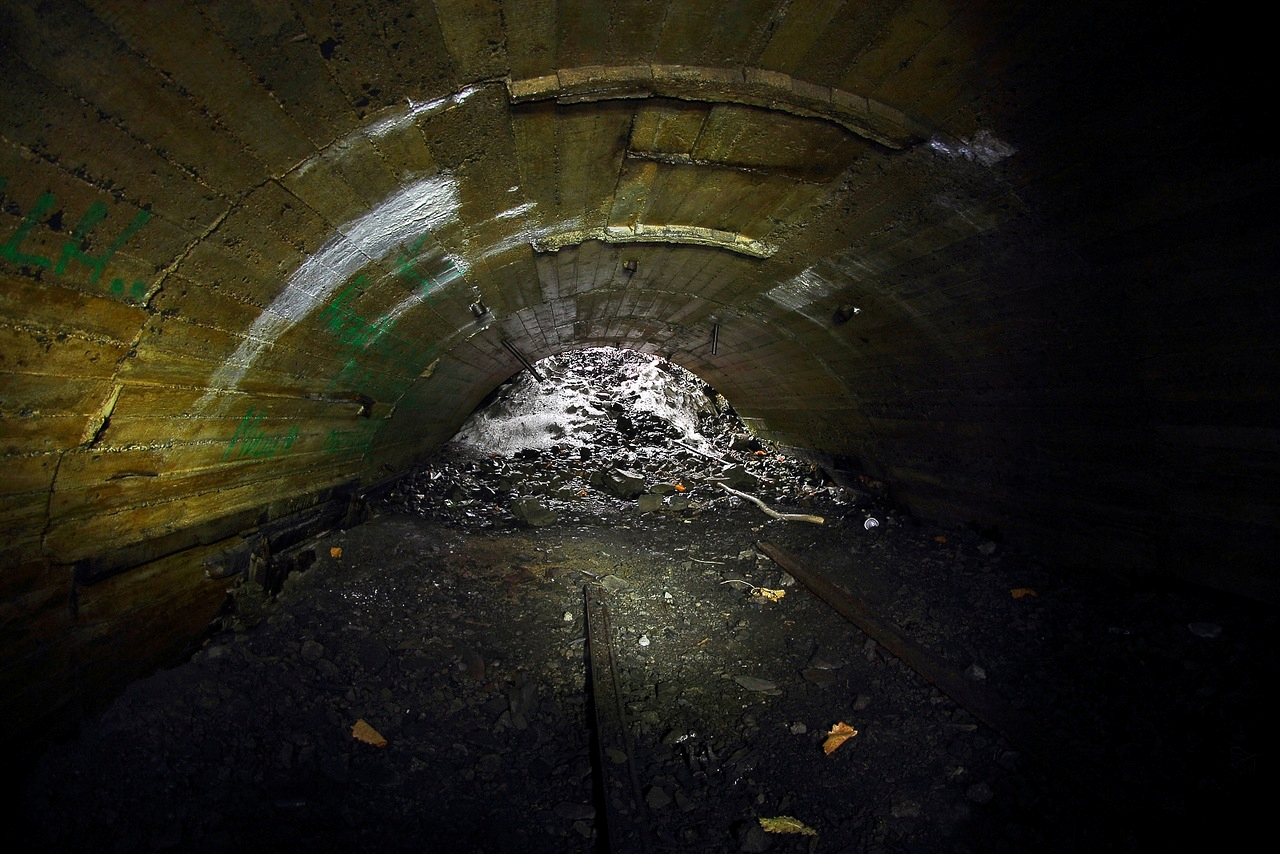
(259, 257)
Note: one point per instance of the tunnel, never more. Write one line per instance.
(261, 258)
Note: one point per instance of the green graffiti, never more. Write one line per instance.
(352, 330)
(137, 291)
(404, 266)
(356, 332)
(361, 337)
(251, 441)
(353, 375)
(76, 247)
(406, 269)
(359, 439)
(10, 251)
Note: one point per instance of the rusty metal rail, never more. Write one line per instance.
(625, 820)
(1019, 728)
(987, 707)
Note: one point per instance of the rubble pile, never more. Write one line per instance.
(608, 432)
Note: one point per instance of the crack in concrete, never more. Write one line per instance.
(48, 503)
(99, 420)
(673, 159)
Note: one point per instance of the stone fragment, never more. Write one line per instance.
(622, 483)
(818, 675)
(738, 477)
(656, 798)
(533, 512)
(904, 807)
(649, 502)
(614, 584)
(751, 683)
(370, 652)
(312, 650)
(752, 838)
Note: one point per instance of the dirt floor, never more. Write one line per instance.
(422, 683)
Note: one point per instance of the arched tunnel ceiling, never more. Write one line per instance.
(257, 252)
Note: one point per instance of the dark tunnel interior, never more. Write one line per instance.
(260, 260)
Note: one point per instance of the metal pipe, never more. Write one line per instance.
(512, 349)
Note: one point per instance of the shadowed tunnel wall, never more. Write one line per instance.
(259, 256)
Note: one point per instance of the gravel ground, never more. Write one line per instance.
(452, 626)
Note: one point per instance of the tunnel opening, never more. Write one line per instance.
(608, 430)
(571, 399)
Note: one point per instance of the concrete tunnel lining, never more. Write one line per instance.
(239, 276)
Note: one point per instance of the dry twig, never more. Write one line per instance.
(786, 517)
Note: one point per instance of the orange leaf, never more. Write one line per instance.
(335, 551)
(680, 487)
(840, 733)
(1019, 592)
(363, 732)
(940, 539)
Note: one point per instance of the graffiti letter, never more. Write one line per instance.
(10, 249)
(73, 249)
(243, 433)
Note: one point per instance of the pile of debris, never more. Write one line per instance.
(613, 431)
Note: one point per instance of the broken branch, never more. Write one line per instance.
(786, 517)
(718, 458)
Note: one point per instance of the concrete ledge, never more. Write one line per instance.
(771, 90)
(641, 233)
(533, 88)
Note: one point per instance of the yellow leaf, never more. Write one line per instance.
(363, 732)
(786, 824)
(1019, 592)
(840, 733)
(767, 594)
(335, 551)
